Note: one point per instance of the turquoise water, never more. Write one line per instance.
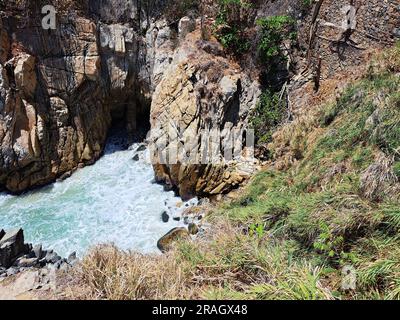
(113, 201)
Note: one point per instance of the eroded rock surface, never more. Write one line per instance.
(202, 92)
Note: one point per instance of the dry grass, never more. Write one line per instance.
(378, 179)
(227, 264)
(109, 273)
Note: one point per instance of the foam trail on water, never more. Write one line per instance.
(115, 200)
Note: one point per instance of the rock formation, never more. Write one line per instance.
(16, 255)
(61, 89)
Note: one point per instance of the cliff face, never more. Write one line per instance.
(61, 89)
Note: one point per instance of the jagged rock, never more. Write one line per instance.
(72, 258)
(11, 247)
(38, 251)
(186, 25)
(166, 242)
(71, 84)
(26, 262)
(136, 157)
(52, 257)
(141, 148)
(186, 220)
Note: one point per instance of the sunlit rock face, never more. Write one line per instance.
(202, 95)
(111, 60)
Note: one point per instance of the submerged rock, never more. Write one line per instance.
(166, 242)
(165, 217)
(141, 148)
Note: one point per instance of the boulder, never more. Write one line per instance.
(52, 257)
(72, 258)
(38, 251)
(186, 25)
(166, 242)
(191, 138)
(24, 262)
(12, 271)
(11, 247)
(165, 217)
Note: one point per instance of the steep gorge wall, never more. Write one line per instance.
(108, 60)
(61, 89)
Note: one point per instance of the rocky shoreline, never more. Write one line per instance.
(17, 256)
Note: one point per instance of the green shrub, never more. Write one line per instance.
(396, 169)
(229, 25)
(267, 116)
(274, 30)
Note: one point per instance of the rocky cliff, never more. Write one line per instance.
(106, 61)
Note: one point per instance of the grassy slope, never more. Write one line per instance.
(335, 203)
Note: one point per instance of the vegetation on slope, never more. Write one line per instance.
(334, 203)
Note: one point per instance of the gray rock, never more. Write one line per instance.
(2, 233)
(52, 257)
(58, 264)
(26, 262)
(11, 247)
(72, 258)
(38, 251)
(141, 148)
(186, 220)
(165, 217)
(186, 25)
(12, 271)
(15, 235)
(136, 157)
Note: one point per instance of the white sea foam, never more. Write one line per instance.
(115, 200)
